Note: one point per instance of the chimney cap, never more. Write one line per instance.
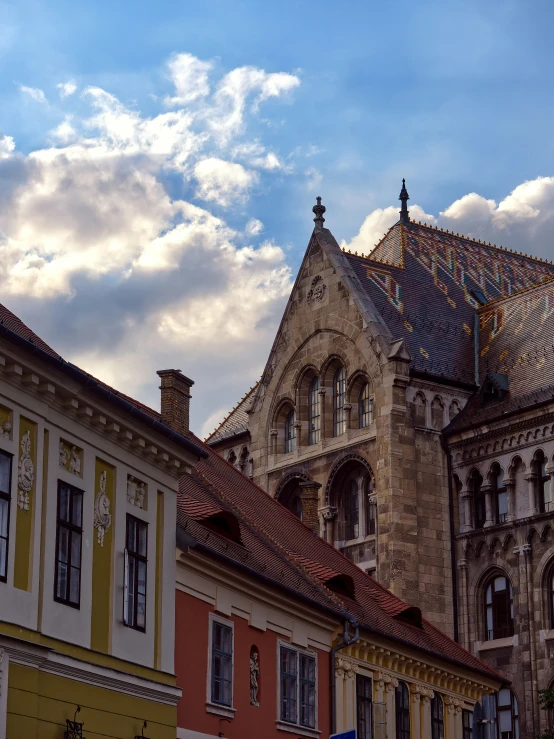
(175, 373)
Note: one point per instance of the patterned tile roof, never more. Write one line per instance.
(423, 280)
(236, 422)
(276, 545)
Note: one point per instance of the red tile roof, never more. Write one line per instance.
(279, 546)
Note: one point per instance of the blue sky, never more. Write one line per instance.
(345, 100)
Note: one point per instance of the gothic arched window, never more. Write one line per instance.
(437, 717)
(544, 485)
(437, 414)
(499, 608)
(314, 415)
(365, 407)
(402, 710)
(290, 432)
(339, 397)
(351, 510)
(420, 410)
(479, 509)
(500, 494)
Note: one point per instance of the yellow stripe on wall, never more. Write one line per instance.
(27, 468)
(102, 557)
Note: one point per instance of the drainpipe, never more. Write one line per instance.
(452, 538)
(347, 640)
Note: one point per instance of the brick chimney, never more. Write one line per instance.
(175, 389)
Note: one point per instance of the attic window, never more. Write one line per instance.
(495, 387)
(342, 585)
(225, 524)
(478, 296)
(411, 616)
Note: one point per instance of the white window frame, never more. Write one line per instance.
(227, 711)
(297, 728)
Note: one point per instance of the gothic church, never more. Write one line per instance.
(406, 414)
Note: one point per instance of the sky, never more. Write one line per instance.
(159, 162)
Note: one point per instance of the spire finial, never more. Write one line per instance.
(319, 210)
(404, 197)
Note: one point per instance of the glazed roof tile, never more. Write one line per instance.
(279, 546)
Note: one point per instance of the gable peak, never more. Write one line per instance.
(319, 210)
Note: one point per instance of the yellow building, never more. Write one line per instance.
(88, 482)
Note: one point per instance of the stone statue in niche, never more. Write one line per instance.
(102, 515)
(74, 461)
(63, 455)
(6, 430)
(254, 676)
(136, 492)
(26, 473)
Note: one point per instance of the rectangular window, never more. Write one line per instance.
(222, 664)
(467, 723)
(298, 687)
(136, 553)
(5, 487)
(69, 535)
(364, 707)
(370, 516)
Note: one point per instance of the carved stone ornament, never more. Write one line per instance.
(70, 458)
(420, 692)
(344, 668)
(386, 682)
(329, 513)
(317, 291)
(26, 473)
(136, 492)
(454, 705)
(254, 678)
(102, 515)
(6, 430)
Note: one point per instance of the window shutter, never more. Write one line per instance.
(126, 590)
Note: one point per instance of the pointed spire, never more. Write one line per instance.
(404, 197)
(319, 210)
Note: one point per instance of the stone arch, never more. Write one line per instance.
(437, 413)
(479, 584)
(328, 368)
(346, 459)
(350, 492)
(355, 386)
(289, 492)
(419, 406)
(279, 417)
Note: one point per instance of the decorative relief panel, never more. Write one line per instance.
(25, 471)
(137, 492)
(6, 422)
(102, 515)
(317, 291)
(71, 458)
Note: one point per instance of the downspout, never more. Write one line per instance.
(452, 539)
(347, 641)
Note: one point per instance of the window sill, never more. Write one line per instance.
(508, 641)
(296, 729)
(226, 711)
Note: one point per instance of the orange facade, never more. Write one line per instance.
(191, 666)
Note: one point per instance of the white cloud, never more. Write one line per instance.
(254, 227)
(67, 88)
(34, 92)
(120, 275)
(190, 77)
(314, 178)
(223, 182)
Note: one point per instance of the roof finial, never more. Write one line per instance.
(404, 197)
(319, 210)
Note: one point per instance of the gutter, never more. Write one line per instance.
(446, 450)
(89, 383)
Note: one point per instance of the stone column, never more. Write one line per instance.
(426, 696)
(463, 598)
(550, 469)
(510, 485)
(347, 671)
(298, 431)
(386, 685)
(452, 716)
(489, 505)
(415, 712)
(3, 693)
(466, 512)
(347, 418)
(310, 504)
(273, 435)
(531, 492)
(527, 612)
(329, 514)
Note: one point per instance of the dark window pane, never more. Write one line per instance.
(63, 503)
(77, 509)
(5, 473)
(4, 517)
(314, 412)
(3, 558)
(364, 707)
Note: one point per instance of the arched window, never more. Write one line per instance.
(365, 407)
(314, 417)
(290, 432)
(420, 410)
(550, 590)
(499, 608)
(437, 414)
(291, 497)
(232, 458)
(437, 717)
(351, 510)
(479, 509)
(453, 410)
(500, 494)
(543, 482)
(402, 710)
(339, 396)
(507, 714)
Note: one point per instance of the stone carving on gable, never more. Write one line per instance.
(102, 515)
(317, 291)
(26, 473)
(136, 492)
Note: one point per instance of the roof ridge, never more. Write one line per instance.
(545, 281)
(481, 243)
(228, 416)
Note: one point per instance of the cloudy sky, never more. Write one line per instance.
(159, 162)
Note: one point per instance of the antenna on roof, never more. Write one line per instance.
(404, 197)
(319, 210)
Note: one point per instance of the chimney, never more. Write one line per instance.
(175, 389)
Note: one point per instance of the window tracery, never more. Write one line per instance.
(314, 413)
(339, 398)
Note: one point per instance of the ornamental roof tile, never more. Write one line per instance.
(278, 546)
